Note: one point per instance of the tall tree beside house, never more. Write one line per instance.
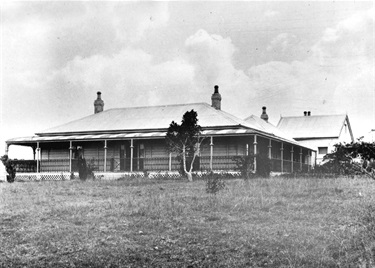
(185, 141)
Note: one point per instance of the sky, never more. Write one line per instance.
(290, 56)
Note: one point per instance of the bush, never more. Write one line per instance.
(245, 164)
(214, 183)
(84, 170)
(9, 167)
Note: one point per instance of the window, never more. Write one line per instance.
(322, 150)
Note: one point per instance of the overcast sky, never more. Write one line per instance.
(288, 56)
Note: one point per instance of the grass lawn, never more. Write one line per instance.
(275, 222)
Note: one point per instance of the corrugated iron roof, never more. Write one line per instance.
(316, 126)
(268, 127)
(121, 136)
(153, 121)
(146, 118)
(139, 135)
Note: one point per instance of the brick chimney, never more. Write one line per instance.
(264, 115)
(98, 103)
(216, 99)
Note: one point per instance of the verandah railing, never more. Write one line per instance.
(224, 163)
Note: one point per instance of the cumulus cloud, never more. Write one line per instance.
(336, 78)
(212, 58)
(130, 78)
(283, 42)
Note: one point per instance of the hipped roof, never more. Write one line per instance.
(317, 126)
(146, 118)
(153, 121)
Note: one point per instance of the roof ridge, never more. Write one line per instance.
(303, 116)
(156, 106)
(229, 116)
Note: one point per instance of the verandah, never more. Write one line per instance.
(133, 156)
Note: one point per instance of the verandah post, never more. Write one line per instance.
(131, 155)
(255, 153)
(300, 159)
(211, 151)
(308, 161)
(170, 162)
(105, 156)
(270, 149)
(70, 156)
(37, 157)
(291, 158)
(282, 157)
(6, 148)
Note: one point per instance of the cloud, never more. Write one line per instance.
(56, 32)
(132, 77)
(144, 16)
(129, 78)
(271, 13)
(283, 42)
(212, 58)
(336, 78)
(351, 41)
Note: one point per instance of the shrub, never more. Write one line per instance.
(245, 164)
(214, 183)
(9, 167)
(84, 170)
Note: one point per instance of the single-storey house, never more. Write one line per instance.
(320, 132)
(128, 140)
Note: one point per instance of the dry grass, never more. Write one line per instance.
(274, 222)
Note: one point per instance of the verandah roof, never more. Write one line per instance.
(140, 135)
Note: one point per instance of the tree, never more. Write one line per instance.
(185, 141)
(352, 159)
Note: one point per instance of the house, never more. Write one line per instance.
(128, 140)
(320, 132)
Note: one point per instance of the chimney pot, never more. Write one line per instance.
(216, 98)
(264, 114)
(305, 113)
(98, 103)
(308, 113)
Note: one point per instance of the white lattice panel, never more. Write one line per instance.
(42, 176)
